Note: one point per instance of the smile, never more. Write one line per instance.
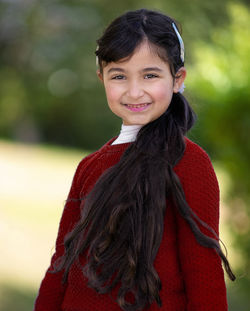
(139, 107)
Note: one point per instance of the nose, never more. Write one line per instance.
(135, 89)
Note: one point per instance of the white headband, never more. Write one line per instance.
(96, 58)
(180, 41)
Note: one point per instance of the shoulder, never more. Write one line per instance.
(194, 157)
(193, 150)
(87, 162)
(195, 168)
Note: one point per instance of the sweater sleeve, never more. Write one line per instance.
(51, 292)
(201, 267)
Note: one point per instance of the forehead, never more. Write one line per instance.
(144, 54)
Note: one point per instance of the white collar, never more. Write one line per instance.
(127, 134)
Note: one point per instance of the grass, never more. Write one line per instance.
(16, 298)
(34, 184)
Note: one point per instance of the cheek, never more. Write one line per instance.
(112, 93)
(163, 92)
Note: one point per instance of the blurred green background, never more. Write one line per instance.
(53, 112)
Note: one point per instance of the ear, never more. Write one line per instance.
(179, 79)
(99, 75)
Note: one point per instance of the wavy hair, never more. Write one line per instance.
(122, 220)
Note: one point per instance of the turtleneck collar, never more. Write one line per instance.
(127, 134)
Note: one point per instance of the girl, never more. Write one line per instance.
(140, 226)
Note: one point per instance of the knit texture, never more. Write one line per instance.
(192, 276)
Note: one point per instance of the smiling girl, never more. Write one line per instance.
(140, 228)
(139, 89)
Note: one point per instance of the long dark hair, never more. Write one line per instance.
(122, 220)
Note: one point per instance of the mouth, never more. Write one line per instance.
(138, 107)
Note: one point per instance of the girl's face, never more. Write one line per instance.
(140, 89)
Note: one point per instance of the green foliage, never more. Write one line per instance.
(220, 80)
(50, 91)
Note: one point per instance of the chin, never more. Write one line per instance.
(137, 122)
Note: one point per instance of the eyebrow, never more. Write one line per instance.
(152, 69)
(143, 70)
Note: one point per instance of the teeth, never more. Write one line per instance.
(137, 106)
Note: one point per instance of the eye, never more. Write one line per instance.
(150, 76)
(118, 77)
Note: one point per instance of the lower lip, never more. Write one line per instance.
(138, 109)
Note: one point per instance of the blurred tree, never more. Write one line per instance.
(220, 79)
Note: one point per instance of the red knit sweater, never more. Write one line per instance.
(191, 275)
